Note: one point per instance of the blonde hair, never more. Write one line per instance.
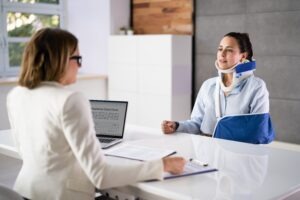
(46, 56)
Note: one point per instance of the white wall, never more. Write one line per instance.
(90, 22)
(119, 15)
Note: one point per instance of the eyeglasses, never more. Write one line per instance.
(78, 59)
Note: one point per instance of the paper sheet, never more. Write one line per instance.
(137, 152)
(191, 168)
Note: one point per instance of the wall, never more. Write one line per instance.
(93, 23)
(119, 15)
(90, 22)
(274, 28)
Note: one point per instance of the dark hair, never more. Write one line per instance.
(244, 43)
(46, 56)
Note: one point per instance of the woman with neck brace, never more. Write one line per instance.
(234, 91)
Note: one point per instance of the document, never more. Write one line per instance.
(192, 167)
(136, 152)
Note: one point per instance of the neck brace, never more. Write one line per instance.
(240, 72)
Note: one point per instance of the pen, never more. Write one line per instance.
(198, 162)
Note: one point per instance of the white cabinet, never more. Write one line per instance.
(153, 73)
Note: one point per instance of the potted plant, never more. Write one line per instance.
(130, 31)
(123, 30)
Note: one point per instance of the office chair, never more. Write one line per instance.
(249, 128)
(8, 194)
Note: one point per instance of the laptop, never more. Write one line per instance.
(109, 119)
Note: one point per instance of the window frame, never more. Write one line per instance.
(5, 40)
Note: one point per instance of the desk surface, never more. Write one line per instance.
(245, 171)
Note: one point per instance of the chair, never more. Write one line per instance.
(8, 194)
(249, 128)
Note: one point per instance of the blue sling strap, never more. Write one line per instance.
(249, 128)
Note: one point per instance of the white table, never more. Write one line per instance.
(245, 171)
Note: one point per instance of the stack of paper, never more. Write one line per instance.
(141, 153)
(136, 152)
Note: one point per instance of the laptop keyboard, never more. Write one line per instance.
(106, 140)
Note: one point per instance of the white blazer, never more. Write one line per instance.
(62, 158)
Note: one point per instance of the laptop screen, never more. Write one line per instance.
(109, 117)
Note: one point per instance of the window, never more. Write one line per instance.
(19, 19)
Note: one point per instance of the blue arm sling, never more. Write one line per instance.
(249, 128)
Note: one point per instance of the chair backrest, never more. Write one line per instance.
(8, 194)
(249, 128)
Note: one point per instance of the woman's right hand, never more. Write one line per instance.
(168, 127)
(174, 165)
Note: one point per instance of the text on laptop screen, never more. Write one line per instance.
(109, 117)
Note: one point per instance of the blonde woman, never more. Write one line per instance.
(54, 130)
